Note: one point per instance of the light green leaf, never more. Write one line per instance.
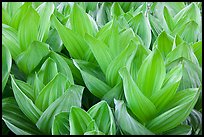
(179, 130)
(47, 71)
(60, 125)
(93, 78)
(26, 33)
(79, 121)
(124, 119)
(71, 97)
(13, 117)
(94, 132)
(12, 7)
(123, 59)
(151, 73)
(100, 52)
(5, 17)
(6, 65)
(74, 43)
(116, 10)
(35, 52)
(45, 10)
(62, 66)
(169, 20)
(103, 116)
(180, 108)
(197, 48)
(141, 27)
(53, 90)
(37, 86)
(136, 100)
(10, 40)
(25, 104)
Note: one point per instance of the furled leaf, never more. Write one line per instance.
(136, 100)
(16, 121)
(94, 132)
(60, 125)
(12, 7)
(179, 130)
(141, 26)
(151, 73)
(183, 105)
(35, 52)
(124, 119)
(5, 17)
(45, 10)
(79, 121)
(197, 48)
(100, 52)
(25, 104)
(88, 26)
(10, 40)
(53, 90)
(6, 65)
(28, 28)
(103, 116)
(93, 78)
(116, 10)
(71, 97)
(168, 19)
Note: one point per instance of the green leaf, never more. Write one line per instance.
(103, 116)
(88, 26)
(35, 52)
(93, 78)
(164, 43)
(37, 86)
(45, 10)
(94, 132)
(6, 65)
(79, 121)
(19, 15)
(47, 71)
(53, 90)
(25, 104)
(26, 33)
(10, 40)
(15, 120)
(152, 73)
(5, 17)
(141, 26)
(123, 59)
(169, 88)
(62, 66)
(74, 43)
(13, 7)
(71, 97)
(179, 130)
(181, 107)
(197, 48)
(116, 10)
(169, 20)
(100, 52)
(124, 119)
(60, 125)
(136, 100)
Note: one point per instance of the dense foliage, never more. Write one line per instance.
(102, 68)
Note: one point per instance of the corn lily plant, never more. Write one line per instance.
(101, 68)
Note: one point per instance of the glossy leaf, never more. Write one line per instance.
(123, 118)
(179, 130)
(136, 100)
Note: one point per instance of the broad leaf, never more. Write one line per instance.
(197, 48)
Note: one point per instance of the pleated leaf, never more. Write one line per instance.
(28, 28)
(116, 10)
(15, 120)
(53, 90)
(93, 78)
(94, 132)
(102, 114)
(100, 52)
(197, 48)
(136, 100)
(45, 10)
(168, 19)
(10, 40)
(141, 27)
(60, 125)
(35, 52)
(121, 60)
(123, 118)
(151, 73)
(74, 43)
(71, 97)
(6, 65)
(25, 104)
(37, 86)
(88, 26)
(180, 130)
(183, 105)
(79, 121)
